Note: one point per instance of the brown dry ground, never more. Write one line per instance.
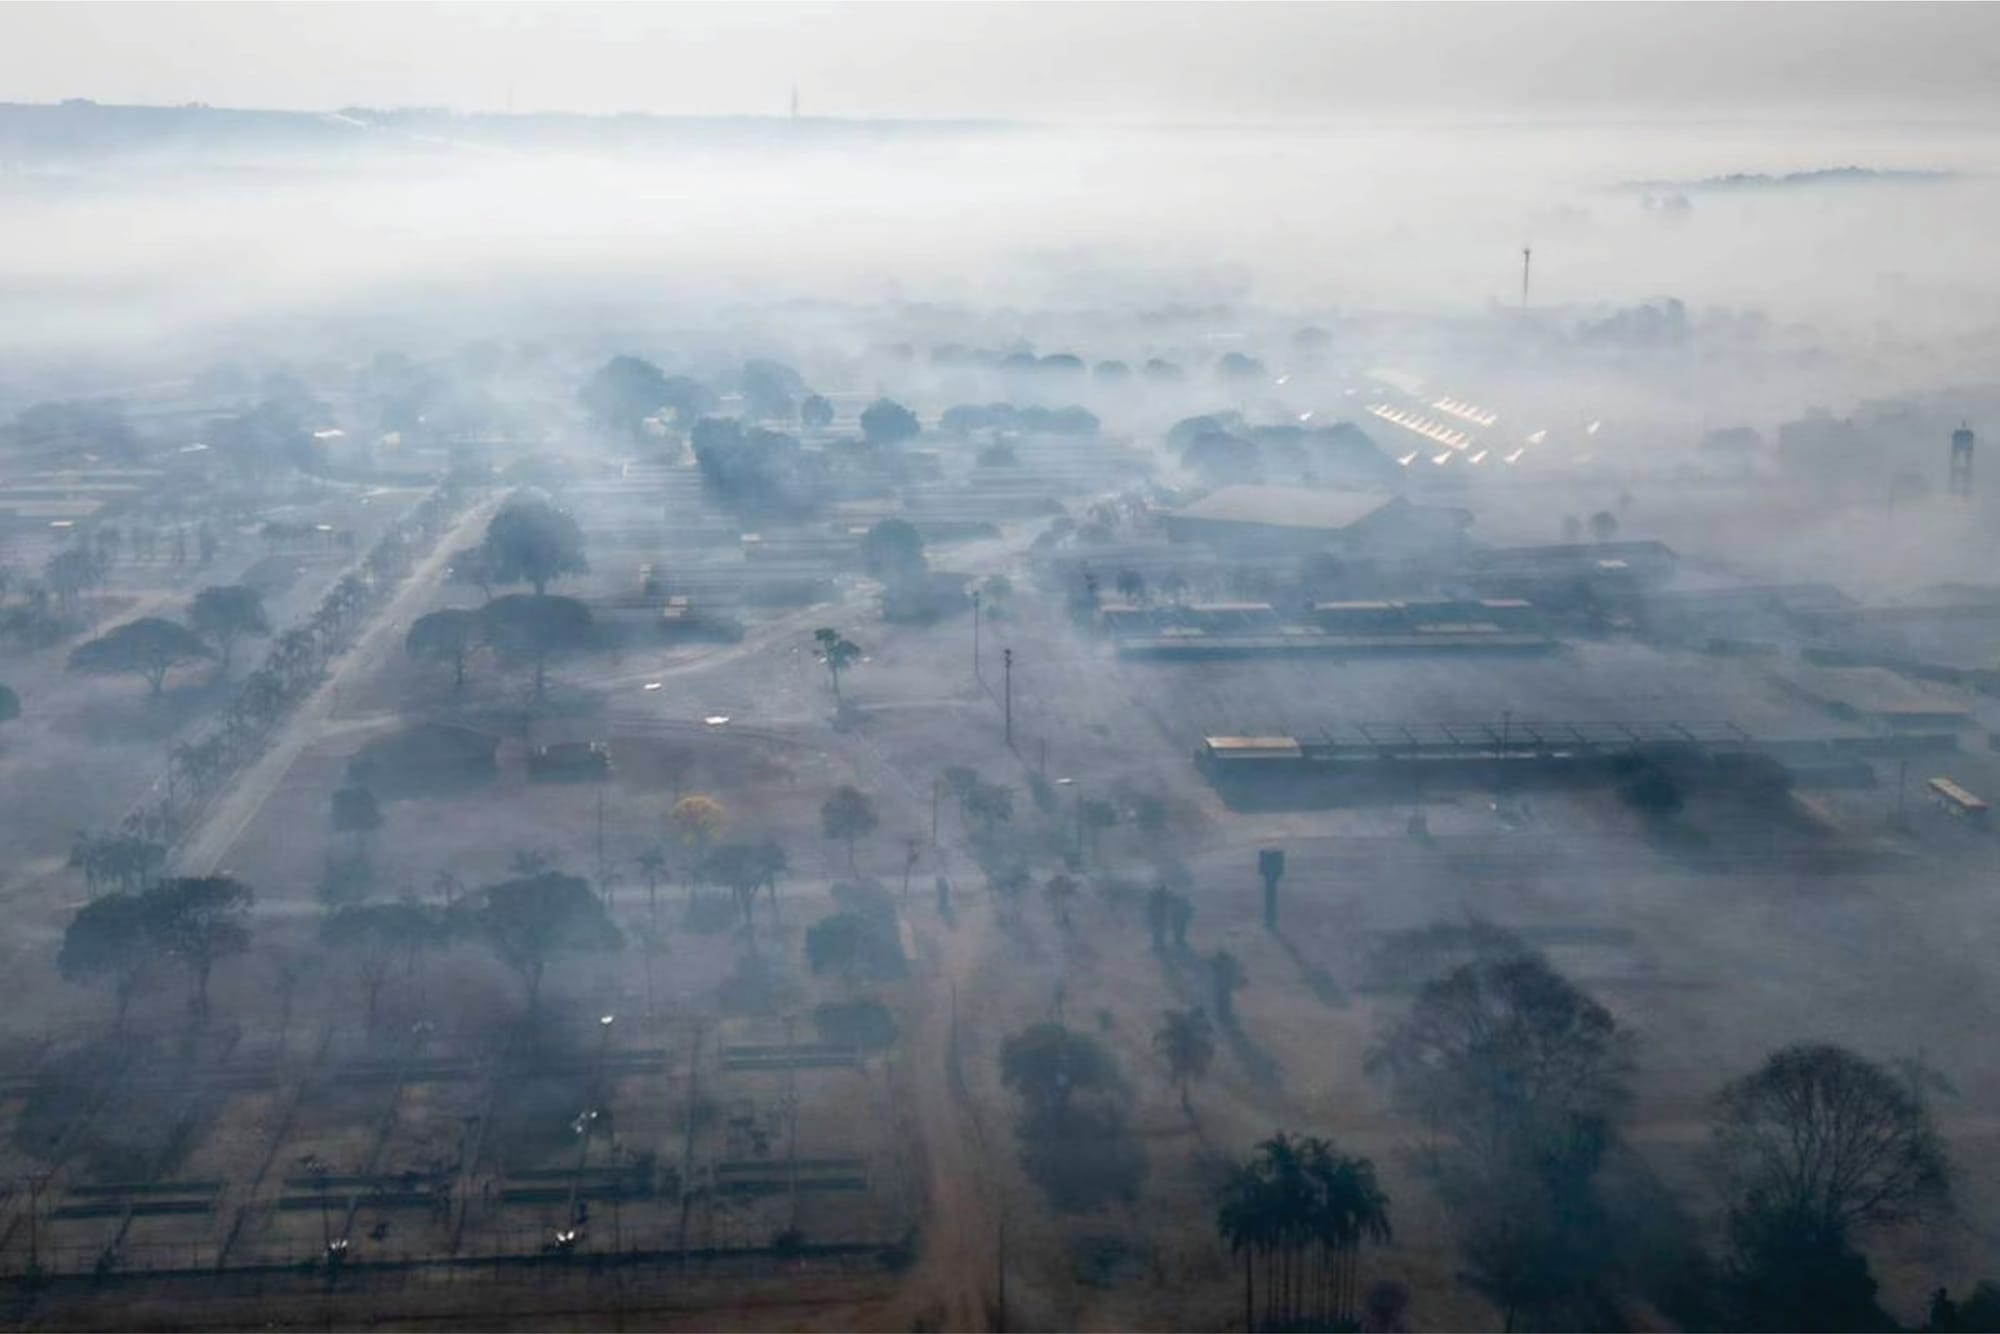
(1710, 966)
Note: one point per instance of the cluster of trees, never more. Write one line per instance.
(1223, 448)
(625, 390)
(1521, 1080)
(966, 418)
(294, 665)
(1602, 527)
(529, 541)
(1024, 360)
(1298, 1213)
(1075, 1132)
(621, 394)
(754, 469)
(117, 938)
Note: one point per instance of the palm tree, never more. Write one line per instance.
(1300, 1211)
(1186, 1042)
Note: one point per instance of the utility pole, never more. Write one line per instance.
(1527, 253)
(1007, 660)
(1000, 1320)
(603, 890)
(34, 1225)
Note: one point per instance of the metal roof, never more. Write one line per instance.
(1286, 507)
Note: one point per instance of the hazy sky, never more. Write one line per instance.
(1144, 62)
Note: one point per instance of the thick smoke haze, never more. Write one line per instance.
(999, 666)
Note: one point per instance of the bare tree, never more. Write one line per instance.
(1818, 1133)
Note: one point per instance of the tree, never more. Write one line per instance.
(991, 804)
(743, 869)
(377, 935)
(815, 414)
(698, 818)
(1048, 1065)
(528, 921)
(225, 613)
(1060, 890)
(1819, 1135)
(893, 551)
(1094, 815)
(148, 647)
(837, 653)
(847, 815)
(770, 390)
(1504, 1045)
(1185, 1040)
(1790, 1272)
(623, 392)
(1226, 978)
(537, 627)
(1604, 525)
(1300, 1211)
(531, 541)
(110, 939)
(200, 921)
(1522, 1076)
(356, 812)
(445, 636)
(887, 422)
(10, 704)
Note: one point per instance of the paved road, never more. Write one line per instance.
(205, 848)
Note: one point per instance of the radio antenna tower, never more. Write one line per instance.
(1527, 253)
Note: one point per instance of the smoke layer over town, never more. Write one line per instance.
(1102, 667)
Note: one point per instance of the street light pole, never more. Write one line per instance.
(1007, 660)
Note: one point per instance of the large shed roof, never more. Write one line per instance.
(1287, 506)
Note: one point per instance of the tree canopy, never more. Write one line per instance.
(1048, 1065)
(225, 613)
(1819, 1134)
(531, 541)
(112, 939)
(887, 422)
(200, 921)
(1299, 1210)
(148, 647)
(848, 815)
(528, 921)
(534, 627)
(893, 551)
(623, 392)
(445, 636)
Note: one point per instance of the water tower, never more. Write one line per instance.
(1960, 483)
